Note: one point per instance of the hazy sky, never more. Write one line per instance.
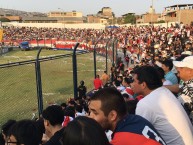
(119, 7)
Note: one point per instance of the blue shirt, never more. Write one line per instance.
(171, 77)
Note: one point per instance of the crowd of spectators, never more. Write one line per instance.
(147, 101)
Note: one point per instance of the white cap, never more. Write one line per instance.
(186, 62)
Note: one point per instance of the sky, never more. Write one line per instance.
(119, 7)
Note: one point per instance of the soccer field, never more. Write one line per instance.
(18, 94)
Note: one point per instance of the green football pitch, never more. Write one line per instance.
(18, 93)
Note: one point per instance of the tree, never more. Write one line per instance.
(161, 21)
(129, 18)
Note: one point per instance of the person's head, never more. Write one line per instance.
(120, 78)
(82, 83)
(125, 96)
(167, 65)
(84, 131)
(160, 72)
(127, 82)
(53, 116)
(72, 103)
(24, 132)
(107, 107)
(63, 105)
(185, 68)
(78, 108)
(146, 79)
(5, 128)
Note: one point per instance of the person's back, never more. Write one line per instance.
(171, 77)
(134, 129)
(97, 83)
(82, 90)
(55, 139)
(104, 78)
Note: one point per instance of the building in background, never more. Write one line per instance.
(175, 13)
(14, 18)
(96, 19)
(106, 11)
(150, 17)
(65, 14)
(178, 13)
(66, 17)
(104, 16)
(39, 20)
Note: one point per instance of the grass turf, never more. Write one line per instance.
(18, 94)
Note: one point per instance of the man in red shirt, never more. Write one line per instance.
(97, 83)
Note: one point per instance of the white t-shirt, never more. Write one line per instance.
(167, 115)
(167, 82)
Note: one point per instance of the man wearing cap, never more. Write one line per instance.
(185, 72)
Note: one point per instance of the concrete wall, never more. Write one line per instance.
(76, 26)
(145, 24)
(185, 16)
(58, 25)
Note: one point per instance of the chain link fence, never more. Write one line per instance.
(18, 97)
(18, 92)
(18, 88)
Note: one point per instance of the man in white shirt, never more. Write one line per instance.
(161, 108)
